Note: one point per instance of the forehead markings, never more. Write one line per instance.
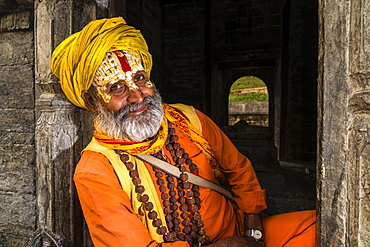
(116, 66)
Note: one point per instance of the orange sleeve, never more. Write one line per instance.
(107, 209)
(236, 167)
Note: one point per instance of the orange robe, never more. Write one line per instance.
(112, 222)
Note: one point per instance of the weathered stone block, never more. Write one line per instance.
(16, 48)
(17, 120)
(17, 194)
(17, 168)
(16, 21)
(12, 240)
(248, 107)
(12, 98)
(7, 5)
(17, 218)
(26, 2)
(17, 87)
(12, 138)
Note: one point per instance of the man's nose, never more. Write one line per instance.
(135, 95)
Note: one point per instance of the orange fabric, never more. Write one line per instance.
(236, 167)
(107, 209)
(112, 222)
(295, 229)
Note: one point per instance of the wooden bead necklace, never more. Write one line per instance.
(187, 200)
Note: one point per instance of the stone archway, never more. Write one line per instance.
(264, 64)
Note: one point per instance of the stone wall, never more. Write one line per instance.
(17, 128)
(248, 108)
(299, 107)
(183, 44)
(234, 26)
(254, 113)
(237, 26)
(185, 38)
(343, 200)
(246, 25)
(147, 17)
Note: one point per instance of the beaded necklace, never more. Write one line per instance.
(187, 200)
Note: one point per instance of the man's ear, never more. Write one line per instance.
(89, 101)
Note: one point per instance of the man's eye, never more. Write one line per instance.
(117, 88)
(139, 78)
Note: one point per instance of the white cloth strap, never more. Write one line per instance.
(174, 171)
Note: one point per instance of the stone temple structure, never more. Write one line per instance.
(314, 57)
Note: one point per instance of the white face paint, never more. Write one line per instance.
(117, 66)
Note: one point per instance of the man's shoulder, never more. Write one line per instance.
(92, 162)
(191, 114)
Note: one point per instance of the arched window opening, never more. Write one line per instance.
(248, 101)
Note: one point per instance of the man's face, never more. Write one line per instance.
(134, 114)
(128, 106)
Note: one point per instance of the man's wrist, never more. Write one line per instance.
(254, 233)
(254, 228)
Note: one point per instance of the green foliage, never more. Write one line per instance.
(247, 82)
(250, 97)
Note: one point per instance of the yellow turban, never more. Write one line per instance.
(77, 58)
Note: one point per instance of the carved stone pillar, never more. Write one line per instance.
(344, 123)
(359, 136)
(58, 128)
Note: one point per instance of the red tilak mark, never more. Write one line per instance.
(124, 63)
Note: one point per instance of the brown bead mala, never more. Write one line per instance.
(188, 201)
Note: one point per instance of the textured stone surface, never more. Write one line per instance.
(17, 129)
(17, 90)
(359, 138)
(248, 107)
(184, 64)
(14, 50)
(343, 171)
(17, 198)
(16, 21)
(7, 6)
(300, 107)
(57, 131)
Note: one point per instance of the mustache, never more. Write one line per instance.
(123, 112)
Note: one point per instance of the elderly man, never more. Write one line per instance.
(129, 200)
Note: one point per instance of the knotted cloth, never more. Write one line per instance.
(77, 58)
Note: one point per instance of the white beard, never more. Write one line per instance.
(136, 128)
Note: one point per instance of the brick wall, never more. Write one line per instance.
(17, 126)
